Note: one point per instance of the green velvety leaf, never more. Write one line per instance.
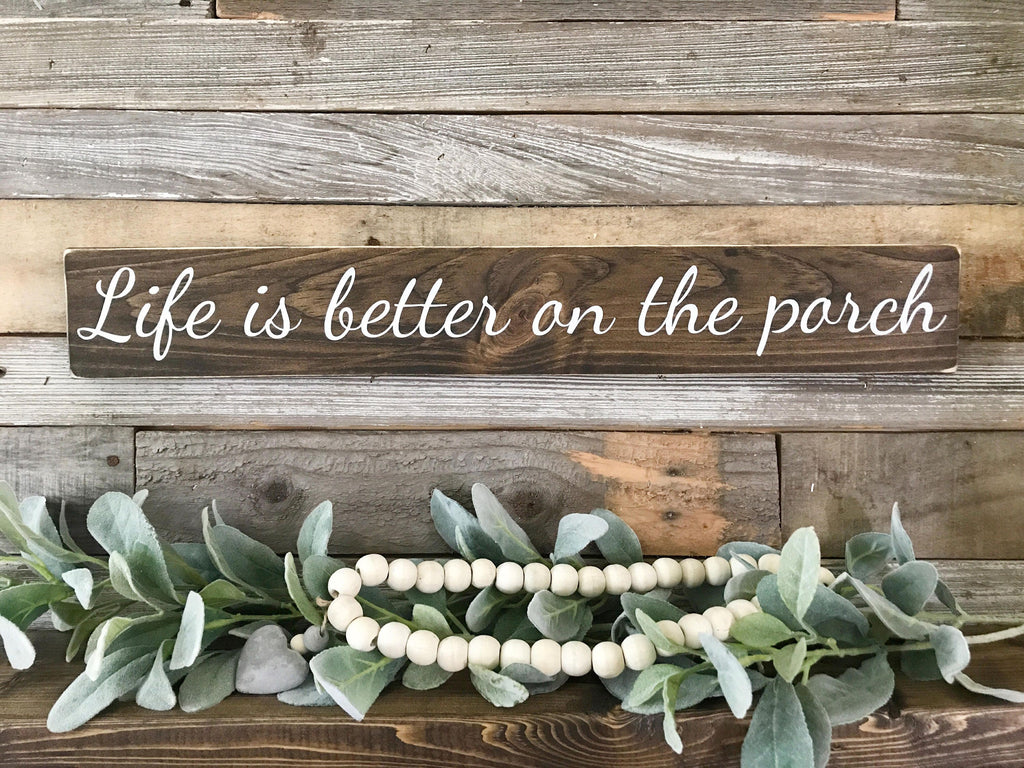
(575, 532)
(84, 698)
(830, 614)
(911, 585)
(460, 530)
(743, 585)
(65, 533)
(818, 725)
(221, 593)
(952, 654)
(209, 682)
(44, 542)
(760, 630)
(789, 659)
(1017, 697)
(901, 544)
(778, 736)
(752, 548)
(560, 618)
(499, 526)
(156, 692)
(195, 558)
(732, 677)
(484, 609)
(297, 592)
(857, 692)
(306, 695)
(354, 679)
(663, 644)
(500, 690)
(427, 678)
(513, 623)
(119, 525)
(658, 610)
(190, 632)
(316, 571)
(133, 584)
(920, 665)
(536, 682)
(67, 615)
(899, 623)
(315, 533)
(245, 561)
(427, 617)
(798, 571)
(20, 652)
(10, 517)
(648, 684)
(620, 544)
(945, 596)
(867, 554)
(24, 603)
(80, 580)
(668, 720)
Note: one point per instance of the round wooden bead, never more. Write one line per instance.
(393, 639)
(607, 659)
(315, 639)
(565, 579)
(362, 633)
(694, 625)
(638, 652)
(591, 581)
(508, 578)
(575, 658)
(344, 581)
(643, 576)
(485, 651)
(669, 572)
(372, 569)
(536, 577)
(402, 574)
(342, 611)
(458, 575)
(483, 573)
(673, 632)
(298, 643)
(422, 647)
(740, 608)
(693, 572)
(717, 570)
(429, 577)
(825, 576)
(616, 579)
(721, 619)
(769, 561)
(453, 653)
(741, 564)
(514, 652)
(546, 656)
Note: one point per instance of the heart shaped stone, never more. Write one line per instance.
(268, 665)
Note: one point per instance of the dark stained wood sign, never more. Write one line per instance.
(383, 310)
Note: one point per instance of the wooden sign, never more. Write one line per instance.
(382, 310)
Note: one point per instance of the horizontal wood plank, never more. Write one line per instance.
(960, 10)
(446, 66)
(960, 493)
(580, 724)
(36, 233)
(121, 9)
(563, 10)
(512, 159)
(682, 493)
(74, 465)
(378, 310)
(986, 393)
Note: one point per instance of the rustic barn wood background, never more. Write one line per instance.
(166, 123)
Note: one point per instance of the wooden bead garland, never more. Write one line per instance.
(396, 639)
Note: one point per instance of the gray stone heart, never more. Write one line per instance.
(268, 665)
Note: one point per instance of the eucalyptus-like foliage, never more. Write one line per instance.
(164, 624)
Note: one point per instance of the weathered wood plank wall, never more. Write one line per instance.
(513, 159)
(449, 66)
